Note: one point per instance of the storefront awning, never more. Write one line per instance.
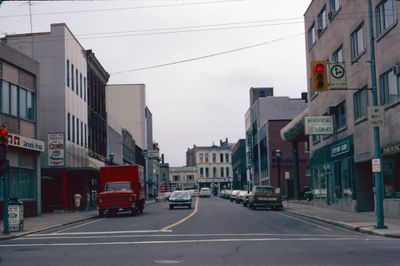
(96, 164)
(294, 131)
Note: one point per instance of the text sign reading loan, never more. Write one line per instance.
(337, 76)
(318, 125)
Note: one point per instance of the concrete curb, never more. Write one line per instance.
(11, 236)
(363, 229)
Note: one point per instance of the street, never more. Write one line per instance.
(215, 232)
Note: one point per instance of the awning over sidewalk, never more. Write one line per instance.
(294, 131)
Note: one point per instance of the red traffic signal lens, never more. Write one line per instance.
(3, 131)
(319, 68)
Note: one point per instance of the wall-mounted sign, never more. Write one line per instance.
(376, 165)
(392, 149)
(56, 149)
(26, 143)
(318, 125)
(337, 76)
(341, 148)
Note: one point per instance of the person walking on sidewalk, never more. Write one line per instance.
(77, 201)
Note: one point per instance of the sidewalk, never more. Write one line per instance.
(52, 220)
(48, 221)
(358, 221)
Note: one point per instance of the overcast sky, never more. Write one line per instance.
(197, 101)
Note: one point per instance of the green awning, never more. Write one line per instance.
(294, 131)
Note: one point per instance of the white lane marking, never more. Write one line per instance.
(104, 232)
(79, 225)
(194, 241)
(306, 222)
(37, 237)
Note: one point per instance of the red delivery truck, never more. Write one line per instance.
(121, 189)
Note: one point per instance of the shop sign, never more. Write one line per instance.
(318, 125)
(26, 143)
(391, 149)
(340, 149)
(56, 149)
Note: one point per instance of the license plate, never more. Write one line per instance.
(267, 199)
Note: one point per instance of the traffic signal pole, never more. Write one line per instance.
(6, 228)
(377, 142)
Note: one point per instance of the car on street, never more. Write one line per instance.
(234, 195)
(205, 192)
(265, 196)
(240, 196)
(180, 198)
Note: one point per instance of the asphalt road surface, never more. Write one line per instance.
(215, 232)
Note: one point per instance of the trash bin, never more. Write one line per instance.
(15, 215)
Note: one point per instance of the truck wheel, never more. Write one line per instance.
(101, 213)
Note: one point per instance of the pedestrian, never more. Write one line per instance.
(77, 201)
(87, 195)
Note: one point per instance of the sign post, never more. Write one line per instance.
(376, 116)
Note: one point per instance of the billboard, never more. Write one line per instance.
(56, 148)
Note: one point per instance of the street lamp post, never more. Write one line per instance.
(278, 154)
(377, 143)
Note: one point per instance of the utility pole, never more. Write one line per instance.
(377, 142)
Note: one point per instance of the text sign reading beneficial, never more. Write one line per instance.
(318, 125)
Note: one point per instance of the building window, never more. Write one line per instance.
(67, 72)
(30, 103)
(214, 171)
(360, 99)
(222, 172)
(214, 158)
(227, 157)
(5, 97)
(22, 103)
(357, 42)
(335, 6)
(311, 36)
(227, 171)
(206, 157)
(322, 21)
(22, 184)
(340, 116)
(14, 100)
(207, 172)
(84, 89)
(389, 87)
(201, 172)
(77, 81)
(221, 157)
(176, 178)
(315, 138)
(201, 158)
(69, 126)
(80, 84)
(73, 129)
(189, 177)
(81, 133)
(337, 56)
(385, 16)
(85, 136)
(77, 131)
(72, 77)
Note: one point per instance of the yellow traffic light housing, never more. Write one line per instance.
(319, 76)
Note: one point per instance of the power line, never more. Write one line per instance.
(125, 8)
(207, 56)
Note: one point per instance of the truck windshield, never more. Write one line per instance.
(117, 186)
(265, 190)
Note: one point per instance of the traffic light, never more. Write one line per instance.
(3, 150)
(319, 76)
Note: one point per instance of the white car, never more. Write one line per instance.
(205, 192)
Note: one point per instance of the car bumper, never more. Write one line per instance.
(180, 203)
(267, 204)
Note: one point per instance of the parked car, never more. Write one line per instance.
(265, 196)
(205, 192)
(193, 193)
(240, 196)
(227, 194)
(234, 195)
(245, 200)
(221, 193)
(180, 198)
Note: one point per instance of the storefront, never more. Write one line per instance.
(391, 178)
(24, 175)
(333, 174)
